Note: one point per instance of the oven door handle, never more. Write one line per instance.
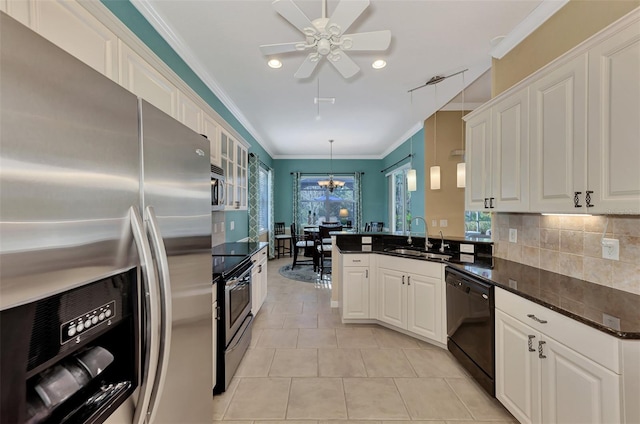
(164, 283)
(150, 342)
(236, 283)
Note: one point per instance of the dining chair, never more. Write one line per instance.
(283, 240)
(323, 246)
(301, 242)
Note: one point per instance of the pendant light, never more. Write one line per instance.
(461, 168)
(434, 171)
(331, 184)
(412, 179)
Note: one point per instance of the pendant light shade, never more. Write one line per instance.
(412, 180)
(461, 175)
(435, 177)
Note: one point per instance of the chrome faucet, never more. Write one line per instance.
(427, 245)
(442, 244)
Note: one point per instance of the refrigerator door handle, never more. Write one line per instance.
(164, 283)
(150, 343)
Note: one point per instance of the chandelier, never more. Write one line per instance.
(331, 184)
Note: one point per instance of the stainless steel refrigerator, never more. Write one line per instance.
(94, 182)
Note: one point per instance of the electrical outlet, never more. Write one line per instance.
(513, 235)
(215, 228)
(444, 223)
(434, 223)
(232, 225)
(611, 249)
(513, 284)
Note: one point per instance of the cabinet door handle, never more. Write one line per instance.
(409, 280)
(541, 354)
(576, 199)
(535, 318)
(366, 273)
(587, 199)
(486, 199)
(531, 349)
(403, 279)
(491, 199)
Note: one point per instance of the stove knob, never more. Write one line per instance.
(71, 331)
(87, 323)
(101, 316)
(80, 327)
(94, 319)
(107, 313)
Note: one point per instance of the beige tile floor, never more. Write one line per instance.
(305, 367)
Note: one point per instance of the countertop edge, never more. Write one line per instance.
(460, 267)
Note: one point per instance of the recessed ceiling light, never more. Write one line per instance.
(274, 63)
(379, 64)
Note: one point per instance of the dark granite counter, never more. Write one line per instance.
(578, 299)
(581, 300)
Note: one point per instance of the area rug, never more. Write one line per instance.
(304, 273)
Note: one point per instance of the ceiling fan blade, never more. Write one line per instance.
(346, 13)
(270, 49)
(295, 16)
(345, 65)
(306, 69)
(376, 40)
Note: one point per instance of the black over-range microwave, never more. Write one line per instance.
(217, 188)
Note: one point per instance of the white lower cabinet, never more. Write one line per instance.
(258, 280)
(355, 291)
(411, 296)
(541, 380)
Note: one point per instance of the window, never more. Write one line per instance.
(400, 199)
(264, 190)
(477, 224)
(317, 204)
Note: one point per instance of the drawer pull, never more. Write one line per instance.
(541, 354)
(531, 349)
(356, 260)
(366, 273)
(535, 318)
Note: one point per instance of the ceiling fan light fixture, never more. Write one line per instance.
(274, 64)
(379, 64)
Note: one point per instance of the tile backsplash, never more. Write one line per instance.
(570, 245)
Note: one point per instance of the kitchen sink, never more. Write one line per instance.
(419, 253)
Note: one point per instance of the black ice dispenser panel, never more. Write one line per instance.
(71, 357)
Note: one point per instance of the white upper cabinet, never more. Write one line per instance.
(72, 28)
(565, 139)
(558, 139)
(510, 153)
(189, 113)
(498, 156)
(143, 80)
(211, 129)
(478, 176)
(614, 127)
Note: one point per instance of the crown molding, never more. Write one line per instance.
(537, 17)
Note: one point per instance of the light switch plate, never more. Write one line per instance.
(513, 235)
(466, 248)
(366, 240)
(611, 321)
(232, 225)
(444, 223)
(434, 223)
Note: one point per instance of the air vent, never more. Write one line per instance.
(217, 170)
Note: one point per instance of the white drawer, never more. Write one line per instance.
(594, 344)
(355, 260)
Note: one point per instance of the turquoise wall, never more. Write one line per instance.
(417, 197)
(375, 191)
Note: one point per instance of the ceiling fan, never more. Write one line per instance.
(325, 37)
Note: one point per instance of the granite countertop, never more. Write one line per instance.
(578, 299)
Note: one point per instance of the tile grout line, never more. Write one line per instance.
(459, 398)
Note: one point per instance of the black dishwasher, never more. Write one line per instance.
(470, 325)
